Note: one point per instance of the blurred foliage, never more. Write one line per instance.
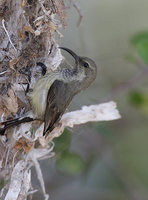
(142, 48)
(70, 163)
(136, 98)
(90, 162)
(132, 154)
(99, 168)
(140, 41)
(67, 162)
(62, 143)
(138, 37)
(103, 129)
(139, 100)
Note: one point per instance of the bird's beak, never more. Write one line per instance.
(71, 53)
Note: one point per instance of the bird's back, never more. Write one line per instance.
(59, 97)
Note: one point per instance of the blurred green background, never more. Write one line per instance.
(106, 160)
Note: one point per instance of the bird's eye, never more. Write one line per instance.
(86, 65)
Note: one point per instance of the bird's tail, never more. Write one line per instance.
(14, 122)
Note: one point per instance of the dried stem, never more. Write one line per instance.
(3, 24)
(78, 9)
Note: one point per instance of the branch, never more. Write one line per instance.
(100, 112)
(130, 84)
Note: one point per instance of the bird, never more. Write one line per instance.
(53, 92)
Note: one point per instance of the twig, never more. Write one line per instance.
(43, 8)
(75, 5)
(2, 73)
(102, 112)
(32, 192)
(35, 155)
(3, 24)
(40, 177)
(13, 161)
(2, 192)
(128, 85)
(7, 156)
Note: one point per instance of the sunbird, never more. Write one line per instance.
(53, 92)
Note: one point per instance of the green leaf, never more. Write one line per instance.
(136, 98)
(142, 48)
(139, 100)
(70, 163)
(139, 37)
(62, 143)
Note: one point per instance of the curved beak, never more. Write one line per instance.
(71, 53)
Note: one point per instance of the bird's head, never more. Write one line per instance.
(84, 63)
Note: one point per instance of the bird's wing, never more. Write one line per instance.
(59, 96)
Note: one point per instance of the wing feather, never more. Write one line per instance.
(59, 96)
